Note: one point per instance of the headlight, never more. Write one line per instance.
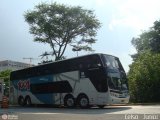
(114, 94)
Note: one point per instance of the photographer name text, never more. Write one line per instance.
(142, 116)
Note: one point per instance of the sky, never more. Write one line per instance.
(121, 20)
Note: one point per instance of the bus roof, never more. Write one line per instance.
(61, 61)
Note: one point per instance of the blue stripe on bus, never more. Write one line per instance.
(41, 79)
(44, 98)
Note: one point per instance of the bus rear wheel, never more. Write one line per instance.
(21, 101)
(28, 101)
(83, 101)
(69, 101)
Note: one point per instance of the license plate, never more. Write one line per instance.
(122, 100)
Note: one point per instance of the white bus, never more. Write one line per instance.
(95, 79)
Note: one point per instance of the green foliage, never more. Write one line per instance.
(144, 74)
(148, 40)
(5, 75)
(144, 78)
(59, 26)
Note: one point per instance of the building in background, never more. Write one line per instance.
(12, 65)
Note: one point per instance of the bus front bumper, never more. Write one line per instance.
(118, 100)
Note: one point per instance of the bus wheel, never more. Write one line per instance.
(101, 106)
(28, 101)
(69, 101)
(21, 101)
(83, 101)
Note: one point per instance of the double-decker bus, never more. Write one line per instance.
(95, 79)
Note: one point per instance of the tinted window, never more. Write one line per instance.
(80, 63)
(110, 61)
(54, 87)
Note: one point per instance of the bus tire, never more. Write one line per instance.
(21, 101)
(83, 101)
(28, 101)
(69, 101)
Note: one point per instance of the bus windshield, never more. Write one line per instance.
(117, 79)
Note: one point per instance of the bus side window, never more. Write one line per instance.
(83, 67)
(94, 62)
(81, 71)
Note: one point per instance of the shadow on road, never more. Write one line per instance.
(96, 110)
(63, 110)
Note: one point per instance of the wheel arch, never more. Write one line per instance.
(82, 94)
(27, 97)
(66, 97)
(20, 98)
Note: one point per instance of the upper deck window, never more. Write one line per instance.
(110, 61)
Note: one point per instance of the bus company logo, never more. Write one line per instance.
(23, 85)
(9, 117)
(4, 117)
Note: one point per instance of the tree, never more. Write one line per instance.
(5, 75)
(144, 72)
(45, 55)
(144, 77)
(59, 26)
(148, 40)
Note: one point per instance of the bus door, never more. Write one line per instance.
(98, 79)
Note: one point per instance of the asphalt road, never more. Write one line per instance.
(139, 112)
